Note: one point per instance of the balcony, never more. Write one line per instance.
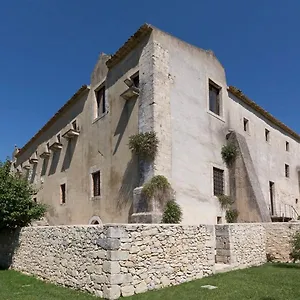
(45, 153)
(71, 131)
(33, 159)
(132, 91)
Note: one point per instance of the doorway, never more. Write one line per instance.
(272, 204)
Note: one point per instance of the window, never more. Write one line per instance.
(218, 177)
(34, 200)
(136, 80)
(272, 193)
(58, 138)
(287, 170)
(100, 100)
(287, 146)
(63, 193)
(74, 125)
(246, 125)
(267, 135)
(96, 183)
(219, 220)
(214, 98)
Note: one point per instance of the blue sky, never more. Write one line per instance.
(48, 49)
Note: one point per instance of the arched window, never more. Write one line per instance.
(95, 220)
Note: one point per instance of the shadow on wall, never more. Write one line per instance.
(45, 166)
(54, 162)
(123, 121)
(69, 154)
(130, 181)
(9, 240)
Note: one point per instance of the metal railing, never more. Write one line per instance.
(284, 210)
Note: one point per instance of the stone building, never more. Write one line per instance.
(82, 166)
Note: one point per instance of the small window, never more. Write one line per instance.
(35, 200)
(136, 80)
(96, 183)
(267, 135)
(58, 138)
(246, 125)
(101, 102)
(214, 98)
(287, 146)
(219, 220)
(287, 170)
(296, 201)
(218, 181)
(74, 125)
(63, 193)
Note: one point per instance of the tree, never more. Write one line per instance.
(17, 209)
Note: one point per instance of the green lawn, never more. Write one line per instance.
(269, 282)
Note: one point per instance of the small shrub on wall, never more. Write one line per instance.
(172, 213)
(229, 153)
(158, 186)
(231, 215)
(225, 201)
(144, 145)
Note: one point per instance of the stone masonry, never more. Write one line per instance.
(112, 260)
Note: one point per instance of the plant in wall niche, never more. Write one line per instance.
(225, 201)
(144, 145)
(172, 213)
(229, 153)
(231, 215)
(159, 188)
(295, 243)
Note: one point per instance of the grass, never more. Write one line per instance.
(269, 282)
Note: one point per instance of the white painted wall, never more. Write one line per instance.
(198, 135)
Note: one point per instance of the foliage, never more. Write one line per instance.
(16, 206)
(172, 213)
(225, 201)
(270, 257)
(144, 145)
(158, 186)
(231, 215)
(229, 153)
(295, 243)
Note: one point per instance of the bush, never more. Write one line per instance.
(144, 145)
(172, 213)
(270, 257)
(295, 243)
(231, 215)
(157, 186)
(229, 153)
(225, 201)
(17, 209)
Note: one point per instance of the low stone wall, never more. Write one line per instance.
(112, 260)
(278, 237)
(241, 244)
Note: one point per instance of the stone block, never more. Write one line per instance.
(111, 267)
(116, 232)
(127, 291)
(109, 243)
(117, 255)
(111, 292)
(98, 279)
(115, 279)
(141, 287)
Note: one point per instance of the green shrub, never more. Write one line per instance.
(229, 153)
(231, 215)
(225, 201)
(270, 257)
(17, 209)
(295, 243)
(144, 145)
(157, 185)
(172, 213)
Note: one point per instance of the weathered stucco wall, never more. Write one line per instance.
(112, 260)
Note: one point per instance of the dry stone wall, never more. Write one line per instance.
(112, 260)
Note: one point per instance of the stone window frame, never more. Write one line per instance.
(97, 116)
(287, 146)
(94, 219)
(287, 172)
(93, 170)
(225, 178)
(218, 85)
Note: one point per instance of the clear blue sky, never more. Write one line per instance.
(48, 49)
